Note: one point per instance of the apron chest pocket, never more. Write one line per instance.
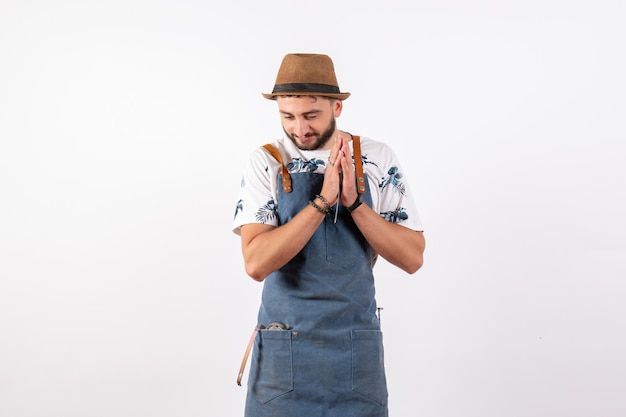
(272, 371)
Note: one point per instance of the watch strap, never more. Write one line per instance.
(357, 203)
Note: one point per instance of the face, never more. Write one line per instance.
(309, 121)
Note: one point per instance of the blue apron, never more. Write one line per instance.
(329, 363)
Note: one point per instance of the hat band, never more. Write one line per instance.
(306, 88)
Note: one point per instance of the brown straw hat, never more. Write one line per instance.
(306, 75)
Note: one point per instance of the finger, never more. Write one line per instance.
(332, 156)
(341, 141)
(348, 187)
(346, 167)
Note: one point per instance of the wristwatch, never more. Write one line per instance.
(356, 204)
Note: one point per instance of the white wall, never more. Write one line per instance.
(123, 125)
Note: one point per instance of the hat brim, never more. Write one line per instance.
(272, 96)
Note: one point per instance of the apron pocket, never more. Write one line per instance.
(368, 369)
(272, 373)
(345, 245)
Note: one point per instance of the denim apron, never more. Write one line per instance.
(329, 363)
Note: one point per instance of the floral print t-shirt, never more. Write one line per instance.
(258, 196)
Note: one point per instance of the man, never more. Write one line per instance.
(316, 208)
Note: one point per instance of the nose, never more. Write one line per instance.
(302, 127)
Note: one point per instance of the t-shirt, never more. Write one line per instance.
(258, 196)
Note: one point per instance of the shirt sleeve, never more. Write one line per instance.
(396, 202)
(257, 193)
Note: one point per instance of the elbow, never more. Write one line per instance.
(415, 264)
(416, 261)
(414, 267)
(254, 272)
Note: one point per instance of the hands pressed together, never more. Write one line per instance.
(339, 179)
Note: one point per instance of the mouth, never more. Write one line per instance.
(305, 138)
(308, 142)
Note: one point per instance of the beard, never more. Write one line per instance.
(320, 142)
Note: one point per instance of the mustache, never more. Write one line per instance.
(307, 135)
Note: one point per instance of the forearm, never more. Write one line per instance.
(267, 248)
(399, 245)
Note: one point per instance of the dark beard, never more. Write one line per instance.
(321, 139)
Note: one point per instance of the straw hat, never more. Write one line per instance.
(306, 75)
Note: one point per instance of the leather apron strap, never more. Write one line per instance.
(285, 172)
(358, 165)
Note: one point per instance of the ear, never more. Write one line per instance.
(337, 107)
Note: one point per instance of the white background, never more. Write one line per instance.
(123, 126)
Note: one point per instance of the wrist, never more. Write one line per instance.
(318, 207)
(357, 203)
(323, 201)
